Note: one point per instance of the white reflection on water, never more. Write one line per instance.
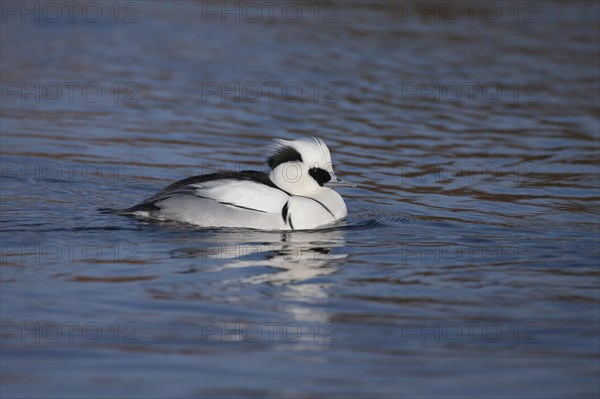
(297, 257)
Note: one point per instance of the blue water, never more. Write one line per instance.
(467, 266)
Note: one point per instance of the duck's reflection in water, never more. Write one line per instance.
(295, 264)
(293, 257)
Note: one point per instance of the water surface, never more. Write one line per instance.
(467, 266)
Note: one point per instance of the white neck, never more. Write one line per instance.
(293, 177)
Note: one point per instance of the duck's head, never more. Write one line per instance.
(303, 166)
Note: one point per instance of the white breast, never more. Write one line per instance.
(322, 207)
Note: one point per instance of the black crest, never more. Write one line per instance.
(320, 175)
(283, 155)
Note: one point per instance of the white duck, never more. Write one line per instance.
(295, 195)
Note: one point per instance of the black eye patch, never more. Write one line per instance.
(283, 155)
(320, 175)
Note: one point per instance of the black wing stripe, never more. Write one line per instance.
(185, 186)
(241, 207)
(143, 207)
(216, 200)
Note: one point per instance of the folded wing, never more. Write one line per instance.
(246, 198)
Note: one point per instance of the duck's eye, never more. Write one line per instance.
(320, 175)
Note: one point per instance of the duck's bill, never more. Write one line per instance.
(339, 183)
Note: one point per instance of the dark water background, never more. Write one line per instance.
(468, 264)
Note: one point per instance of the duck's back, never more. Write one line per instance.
(232, 199)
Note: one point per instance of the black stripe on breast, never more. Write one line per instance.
(284, 212)
(319, 202)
